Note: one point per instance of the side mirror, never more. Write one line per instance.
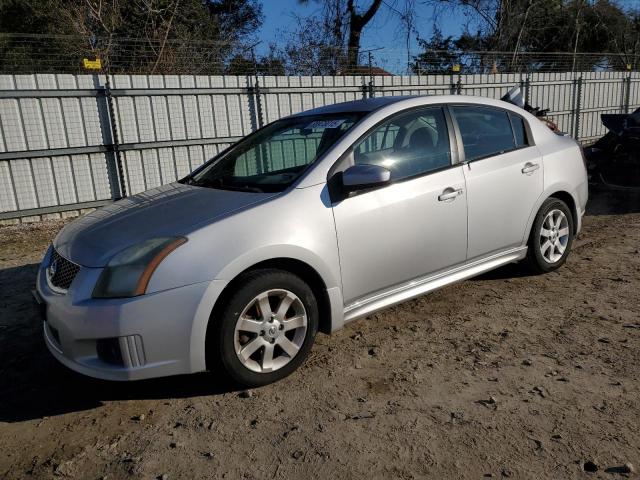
(360, 177)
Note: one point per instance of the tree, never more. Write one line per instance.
(144, 36)
(340, 20)
(311, 49)
(357, 22)
(602, 27)
(272, 63)
(439, 55)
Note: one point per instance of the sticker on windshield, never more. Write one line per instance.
(325, 124)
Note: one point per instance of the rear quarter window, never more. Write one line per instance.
(519, 130)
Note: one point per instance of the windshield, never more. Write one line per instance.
(275, 156)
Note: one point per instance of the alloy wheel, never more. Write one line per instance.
(270, 330)
(554, 236)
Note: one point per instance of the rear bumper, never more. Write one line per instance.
(120, 339)
(581, 212)
(582, 196)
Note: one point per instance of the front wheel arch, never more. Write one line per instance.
(294, 266)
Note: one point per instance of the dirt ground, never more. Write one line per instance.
(504, 376)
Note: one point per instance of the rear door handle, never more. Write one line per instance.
(529, 168)
(449, 194)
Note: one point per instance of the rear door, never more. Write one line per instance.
(503, 174)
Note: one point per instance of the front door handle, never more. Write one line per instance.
(449, 194)
(529, 168)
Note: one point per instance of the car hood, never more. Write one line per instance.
(174, 209)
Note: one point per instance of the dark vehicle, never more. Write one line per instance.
(614, 160)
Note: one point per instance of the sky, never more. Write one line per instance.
(383, 31)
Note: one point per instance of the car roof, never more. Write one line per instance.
(366, 105)
(371, 104)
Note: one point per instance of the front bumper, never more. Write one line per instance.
(151, 334)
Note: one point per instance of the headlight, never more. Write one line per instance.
(129, 272)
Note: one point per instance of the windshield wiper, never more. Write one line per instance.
(241, 188)
(219, 184)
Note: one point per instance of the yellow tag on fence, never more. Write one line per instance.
(456, 68)
(92, 64)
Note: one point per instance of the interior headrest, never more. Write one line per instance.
(421, 138)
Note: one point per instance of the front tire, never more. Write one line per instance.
(551, 236)
(267, 328)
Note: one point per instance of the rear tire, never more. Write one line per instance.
(266, 329)
(551, 236)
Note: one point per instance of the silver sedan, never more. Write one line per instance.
(311, 222)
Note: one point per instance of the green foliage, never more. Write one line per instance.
(599, 27)
(271, 64)
(439, 56)
(132, 36)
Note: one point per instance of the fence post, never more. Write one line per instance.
(255, 89)
(577, 105)
(365, 90)
(114, 145)
(257, 118)
(371, 88)
(457, 87)
(527, 89)
(627, 95)
(255, 102)
(258, 96)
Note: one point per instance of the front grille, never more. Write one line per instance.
(61, 271)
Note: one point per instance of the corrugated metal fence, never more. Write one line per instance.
(71, 142)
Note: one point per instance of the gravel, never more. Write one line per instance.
(421, 368)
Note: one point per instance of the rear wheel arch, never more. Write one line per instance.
(567, 198)
(550, 254)
(297, 267)
(559, 194)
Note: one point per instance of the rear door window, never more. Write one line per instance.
(485, 131)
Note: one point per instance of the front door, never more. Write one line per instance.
(413, 227)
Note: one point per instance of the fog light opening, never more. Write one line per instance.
(109, 351)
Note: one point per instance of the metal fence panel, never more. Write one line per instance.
(58, 148)
(187, 111)
(634, 89)
(48, 123)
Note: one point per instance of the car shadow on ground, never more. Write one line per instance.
(606, 201)
(602, 201)
(512, 270)
(34, 385)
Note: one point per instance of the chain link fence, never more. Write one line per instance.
(522, 62)
(20, 53)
